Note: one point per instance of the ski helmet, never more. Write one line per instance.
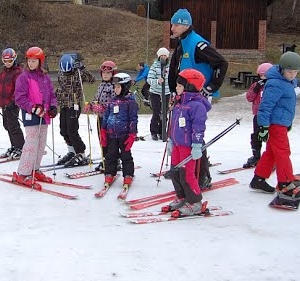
(290, 60)
(109, 66)
(192, 80)
(263, 68)
(9, 55)
(35, 53)
(124, 80)
(66, 63)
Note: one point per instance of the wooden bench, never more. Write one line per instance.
(238, 83)
(231, 78)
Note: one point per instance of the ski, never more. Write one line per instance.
(104, 190)
(157, 213)
(60, 183)
(155, 175)
(44, 190)
(285, 204)
(149, 198)
(206, 214)
(47, 168)
(123, 194)
(162, 198)
(6, 160)
(234, 170)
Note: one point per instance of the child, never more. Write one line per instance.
(254, 95)
(70, 96)
(35, 96)
(275, 117)
(10, 111)
(119, 129)
(155, 81)
(104, 95)
(186, 137)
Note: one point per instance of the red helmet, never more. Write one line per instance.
(9, 55)
(263, 68)
(192, 80)
(35, 53)
(109, 66)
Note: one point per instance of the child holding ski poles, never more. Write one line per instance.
(186, 137)
(119, 130)
(34, 94)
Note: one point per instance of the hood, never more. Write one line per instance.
(189, 96)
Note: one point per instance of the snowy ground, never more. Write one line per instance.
(45, 238)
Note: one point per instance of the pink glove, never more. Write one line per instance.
(38, 109)
(103, 137)
(97, 108)
(87, 107)
(129, 141)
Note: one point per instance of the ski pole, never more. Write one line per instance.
(53, 156)
(37, 153)
(213, 140)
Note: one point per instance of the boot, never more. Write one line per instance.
(108, 180)
(205, 183)
(253, 160)
(154, 137)
(100, 167)
(289, 190)
(15, 154)
(78, 160)
(188, 209)
(260, 184)
(26, 180)
(66, 158)
(127, 181)
(7, 152)
(40, 176)
(176, 204)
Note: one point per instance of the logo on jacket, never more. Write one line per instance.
(186, 55)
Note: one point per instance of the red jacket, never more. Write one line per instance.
(8, 77)
(253, 97)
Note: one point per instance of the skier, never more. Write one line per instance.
(70, 97)
(186, 137)
(34, 94)
(143, 70)
(119, 130)
(254, 95)
(10, 111)
(275, 117)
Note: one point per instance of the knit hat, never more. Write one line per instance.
(163, 52)
(183, 17)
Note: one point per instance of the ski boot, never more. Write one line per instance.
(205, 183)
(15, 154)
(108, 180)
(174, 205)
(7, 153)
(66, 158)
(100, 167)
(154, 137)
(289, 191)
(260, 184)
(253, 160)
(40, 176)
(127, 181)
(78, 160)
(26, 180)
(189, 209)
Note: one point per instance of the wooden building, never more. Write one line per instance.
(237, 28)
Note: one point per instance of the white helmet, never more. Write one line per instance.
(124, 80)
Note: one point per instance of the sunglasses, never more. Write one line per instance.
(7, 61)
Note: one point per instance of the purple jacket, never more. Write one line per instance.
(34, 87)
(188, 119)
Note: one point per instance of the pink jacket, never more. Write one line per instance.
(253, 97)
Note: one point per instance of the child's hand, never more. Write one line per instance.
(259, 85)
(38, 109)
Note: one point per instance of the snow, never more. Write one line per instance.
(46, 238)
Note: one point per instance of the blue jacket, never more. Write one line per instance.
(142, 74)
(192, 109)
(121, 117)
(278, 100)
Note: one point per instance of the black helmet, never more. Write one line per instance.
(290, 60)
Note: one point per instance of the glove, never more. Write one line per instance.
(196, 151)
(207, 91)
(87, 107)
(103, 137)
(259, 85)
(52, 111)
(169, 146)
(263, 134)
(97, 108)
(38, 109)
(10, 105)
(129, 141)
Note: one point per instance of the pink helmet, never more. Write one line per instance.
(263, 68)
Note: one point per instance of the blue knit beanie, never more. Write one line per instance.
(183, 17)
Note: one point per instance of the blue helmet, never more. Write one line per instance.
(66, 63)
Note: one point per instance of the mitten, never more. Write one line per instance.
(97, 108)
(196, 151)
(87, 107)
(129, 141)
(38, 109)
(52, 111)
(103, 137)
(263, 134)
(259, 85)
(170, 146)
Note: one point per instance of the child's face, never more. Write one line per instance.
(262, 77)
(33, 63)
(106, 75)
(179, 89)
(8, 62)
(118, 89)
(290, 74)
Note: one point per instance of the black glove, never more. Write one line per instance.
(259, 85)
(207, 91)
(52, 112)
(10, 106)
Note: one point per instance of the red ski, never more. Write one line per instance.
(234, 170)
(37, 188)
(106, 187)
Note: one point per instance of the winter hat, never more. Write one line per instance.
(183, 17)
(163, 52)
